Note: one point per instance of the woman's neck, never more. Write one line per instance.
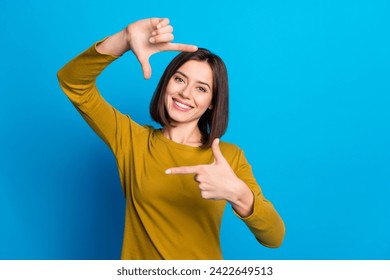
(185, 134)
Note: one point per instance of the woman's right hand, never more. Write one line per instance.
(145, 38)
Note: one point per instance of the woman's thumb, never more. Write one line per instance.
(146, 68)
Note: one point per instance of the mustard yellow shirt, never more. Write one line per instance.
(166, 218)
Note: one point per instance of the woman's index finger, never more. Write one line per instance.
(183, 170)
(179, 47)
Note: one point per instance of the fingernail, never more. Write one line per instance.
(152, 40)
(168, 171)
(158, 25)
(154, 33)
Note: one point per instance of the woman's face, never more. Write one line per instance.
(189, 92)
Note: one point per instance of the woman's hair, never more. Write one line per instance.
(213, 122)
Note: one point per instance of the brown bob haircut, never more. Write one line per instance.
(213, 122)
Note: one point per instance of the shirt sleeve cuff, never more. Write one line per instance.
(257, 212)
(113, 57)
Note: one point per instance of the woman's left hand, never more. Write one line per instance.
(218, 181)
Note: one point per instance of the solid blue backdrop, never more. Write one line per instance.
(310, 98)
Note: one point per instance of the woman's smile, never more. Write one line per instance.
(181, 105)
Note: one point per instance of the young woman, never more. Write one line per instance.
(177, 179)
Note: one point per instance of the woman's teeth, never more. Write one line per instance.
(181, 105)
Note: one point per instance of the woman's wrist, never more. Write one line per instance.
(116, 44)
(242, 199)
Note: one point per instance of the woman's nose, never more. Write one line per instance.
(185, 92)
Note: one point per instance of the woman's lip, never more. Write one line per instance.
(183, 107)
(184, 103)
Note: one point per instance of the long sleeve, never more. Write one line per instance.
(78, 81)
(264, 222)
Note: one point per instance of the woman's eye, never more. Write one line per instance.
(178, 79)
(202, 89)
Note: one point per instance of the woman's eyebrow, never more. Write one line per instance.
(200, 82)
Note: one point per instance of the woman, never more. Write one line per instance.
(177, 179)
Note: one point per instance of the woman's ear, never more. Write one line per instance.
(211, 107)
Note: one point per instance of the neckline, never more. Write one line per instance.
(176, 145)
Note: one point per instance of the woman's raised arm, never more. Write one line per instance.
(78, 77)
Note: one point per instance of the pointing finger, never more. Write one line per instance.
(179, 47)
(183, 170)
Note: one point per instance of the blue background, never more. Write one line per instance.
(310, 98)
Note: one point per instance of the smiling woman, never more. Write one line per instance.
(186, 93)
(177, 179)
(194, 83)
